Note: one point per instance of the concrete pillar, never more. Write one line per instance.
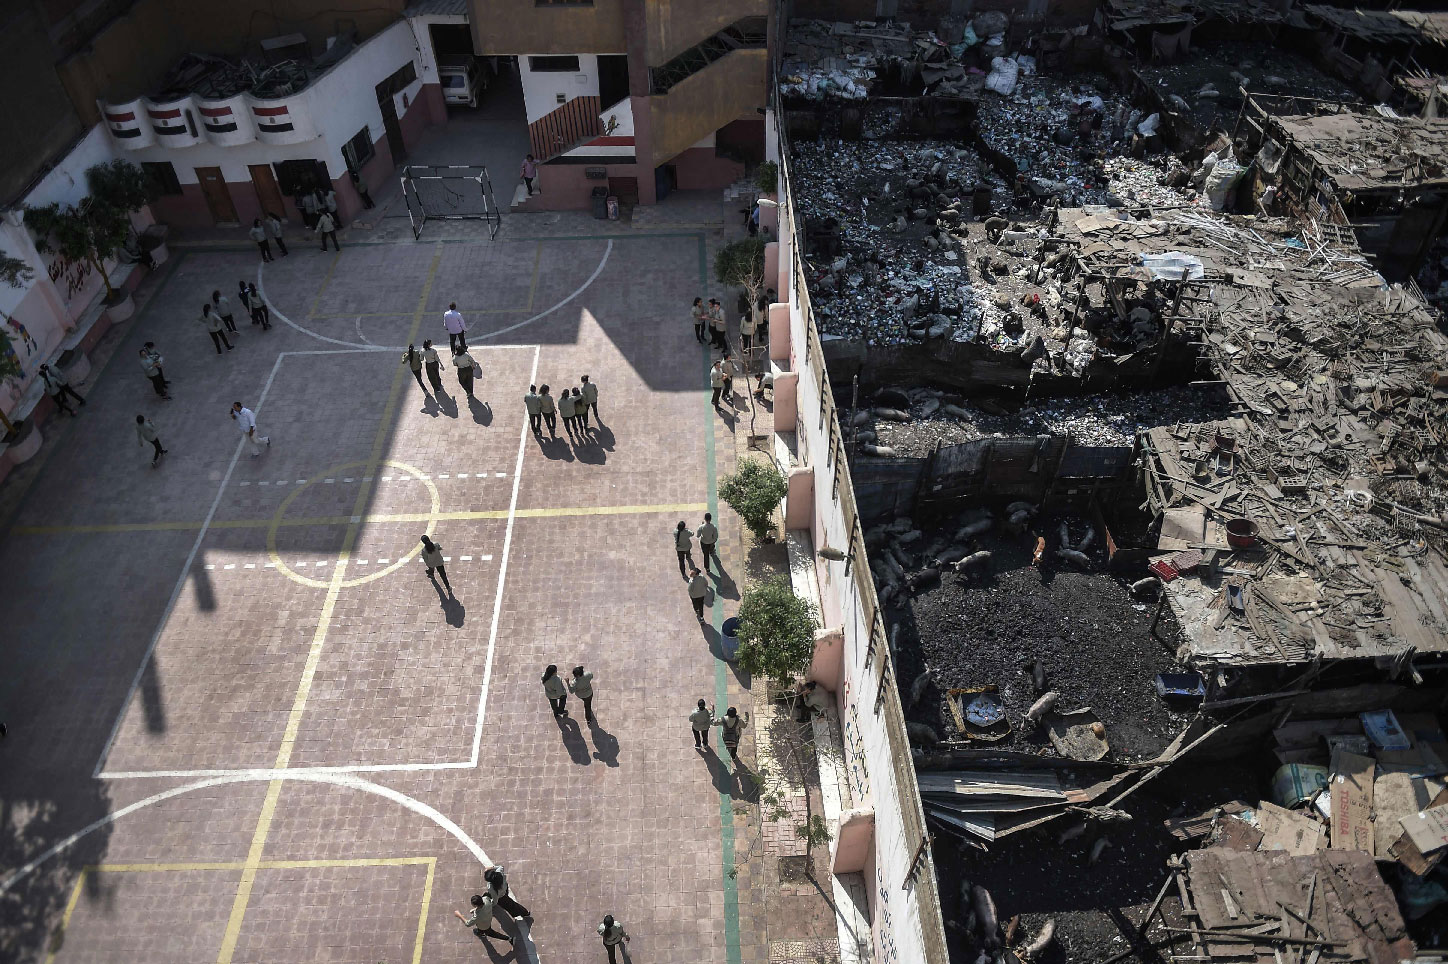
(854, 841)
(786, 401)
(827, 668)
(636, 32)
(779, 335)
(799, 500)
(771, 253)
(769, 218)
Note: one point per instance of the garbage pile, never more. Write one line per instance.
(884, 224)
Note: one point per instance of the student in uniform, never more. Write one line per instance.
(258, 234)
(497, 881)
(728, 370)
(414, 365)
(214, 327)
(463, 362)
(716, 383)
(481, 919)
(565, 409)
(431, 362)
(590, 398)
(580, 411)
(550, 417)
(718, 330)
(701, 319)
(146, 432)
(151, 361)
(533, 402)
(274, 231)
(613, 935)
(684, 546)
(222, 306)
(699, 721)
(556, 690)
(698, 590)
(432, 558)
(327, 228)
(733, 725)
(708, 536)
(310, 207)
(260, 313)
(581, 686)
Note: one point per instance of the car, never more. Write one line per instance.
(462, 82)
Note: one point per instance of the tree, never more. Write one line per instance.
(96, 228)
(121, 185)
(740, 264)
(776, 631)
(753, 491)
(767, 177)
(16, 274)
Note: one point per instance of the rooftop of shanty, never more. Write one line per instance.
(1129, 14)
(1410, 26)
(850, 61)
(1363, 150)
(1315, 518)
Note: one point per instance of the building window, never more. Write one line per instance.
(553, 65)
(162, 177)
(358, 151)
(398, 81)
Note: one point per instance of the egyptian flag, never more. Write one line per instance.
(167, 121)
(218, 120)
(123, 123)
(273, 120)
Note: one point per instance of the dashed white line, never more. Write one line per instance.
(229, 565)
(465, 558)
(328, 481)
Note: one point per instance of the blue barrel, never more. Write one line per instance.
(730, 642)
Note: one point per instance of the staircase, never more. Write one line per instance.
(565, 127)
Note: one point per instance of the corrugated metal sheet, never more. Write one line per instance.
(437, 8)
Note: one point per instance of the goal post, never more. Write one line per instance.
(453, 192)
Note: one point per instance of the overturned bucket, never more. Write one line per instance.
(1241, 533)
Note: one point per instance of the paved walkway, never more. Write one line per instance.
(244, 726)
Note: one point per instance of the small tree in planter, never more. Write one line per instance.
(94, 230)
(776, 632)
(767, 177)
(15, 273)
(122, 185)
(753, 492)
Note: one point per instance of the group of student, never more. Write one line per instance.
(468, 369)
(572, 404)
(217, 318)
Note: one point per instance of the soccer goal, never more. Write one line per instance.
(457, 192)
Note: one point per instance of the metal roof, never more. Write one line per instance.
(436, 8)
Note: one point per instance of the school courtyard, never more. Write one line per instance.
(243, 724)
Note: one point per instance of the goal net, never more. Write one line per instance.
(456, 193)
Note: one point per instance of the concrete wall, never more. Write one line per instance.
(729, 88)
(37, 117)
(904, 911)
(542, 87)
(510, 26)
(676, 25)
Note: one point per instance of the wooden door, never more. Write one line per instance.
(268, 195)
(218, 198)
(392, 128)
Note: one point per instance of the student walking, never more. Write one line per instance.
(361, 187)
(327, 228)
(716, 383)
(699, 721)
(708, 535)
(728, 370)
(549, 410)
(464, 363)
(274, 231)
(151, 362)
(259, 310)
(581, 686)
(246, 420)
(533, 402)
(698, 590)
(733, 725)
(221, 305)
(529, 172)
(308, 203)
(258, 234)
(414, 364)
(457, 329)
(57, 386)
(580, 411)
(701, 319)
(497, 880)
(146, 432)
(329, 204)
(747, 325)
(613, 935)
(481, 918)
(590, 399)
(214, 327)
(432, 558)
(684, 546)
(565, 409)
(433, 364)
(556, 690)
(718, 330)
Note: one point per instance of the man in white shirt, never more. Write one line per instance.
(246, 419)
(708, 536)
(452, 320)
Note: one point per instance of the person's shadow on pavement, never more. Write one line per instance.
(573, 740)
(589, 452)
(447, 405)
(556, 449)
(603, 437)
(452, 608)
(482, 411)
(724, 585)
(605, 745)
(431, 406)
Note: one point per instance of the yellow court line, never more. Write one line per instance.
(533, 288)
(426, 905)
(462, 515)
(326, 281)
(59, 935)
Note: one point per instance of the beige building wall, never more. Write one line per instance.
(506, 27)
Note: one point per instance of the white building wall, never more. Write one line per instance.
(541, 88)
(426, 56)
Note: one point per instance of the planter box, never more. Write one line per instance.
(159, 254)
(121, 310)
(25, 445)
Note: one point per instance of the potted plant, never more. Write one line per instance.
(767, 177)
(121, 184)
(753, 491)
(21, 439)
(776, 632)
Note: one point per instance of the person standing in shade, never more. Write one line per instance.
(747, 326)
(533, 402)
(698, 591)
(433, 364)
(708, 535)
(718, 330)
(245, 299)
(727, 368)
(259, 310)
(221, 305)
(57, 386)
(581, 686)
(556, 690)
(565, 409)
(215, 327)
(497, 881)
(733, 725)
(327, 201)
(146, 432)
(481, 919)
(414, 365)
(457, 328)
(246, 420)
(716, 383)
(684, 546)
(580, 411)
(433, 559)
(361, 187)
(327, 228)
(463, 362)
(701, 319)
(613, 935)
(699, 721)
(151, 362)
(590, 399)
(549, 410)
(258, 234)
(530, 171)
(310, 208)
(274, 231)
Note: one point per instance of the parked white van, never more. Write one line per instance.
(462, 82)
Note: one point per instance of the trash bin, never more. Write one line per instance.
(600, 203)
(730, 642)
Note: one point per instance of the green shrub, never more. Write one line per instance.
(776, 631)
(753, 492)
(741, 264)
(767, 177)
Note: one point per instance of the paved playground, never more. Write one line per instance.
(244, 725)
